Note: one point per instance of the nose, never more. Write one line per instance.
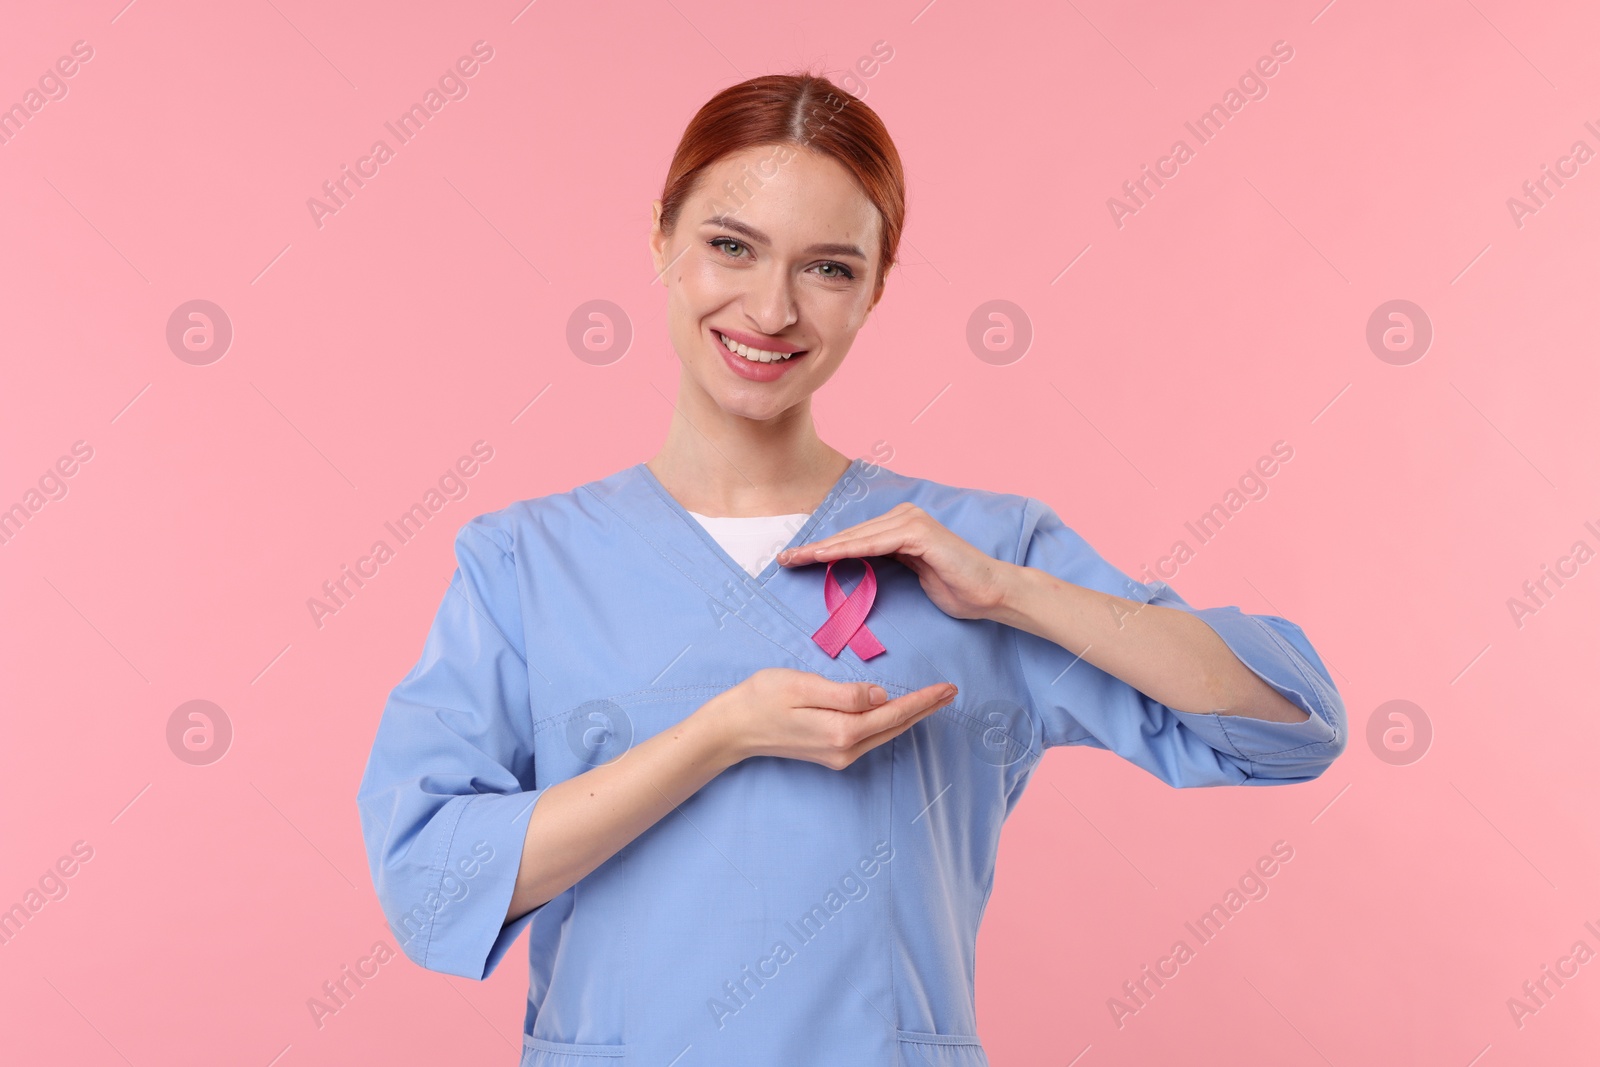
(770, 303)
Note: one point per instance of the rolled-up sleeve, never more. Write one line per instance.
(1073, 702)
(449, 785)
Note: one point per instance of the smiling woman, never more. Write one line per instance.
(674, 787)
(786, 199)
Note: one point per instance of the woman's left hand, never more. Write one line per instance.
(963, 581)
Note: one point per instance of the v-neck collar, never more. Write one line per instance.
(804, 534)
(783, 607)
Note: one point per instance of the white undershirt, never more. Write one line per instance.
(752, 540)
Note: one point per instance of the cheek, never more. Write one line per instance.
(836, 316)
(699, 283)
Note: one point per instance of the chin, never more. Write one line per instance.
(759, 409)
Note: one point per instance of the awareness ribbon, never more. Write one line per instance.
(847, 616)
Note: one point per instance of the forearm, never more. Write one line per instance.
(1167, 654)
(580, 823)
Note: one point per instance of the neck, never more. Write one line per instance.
(724, 465)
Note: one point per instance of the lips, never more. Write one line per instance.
(756, 348)
(758, 355)
(776, 357)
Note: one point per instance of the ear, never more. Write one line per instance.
(658, 240)
(879, 294)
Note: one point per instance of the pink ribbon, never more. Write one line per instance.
(847, 616)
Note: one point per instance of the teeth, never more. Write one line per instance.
(755, 355)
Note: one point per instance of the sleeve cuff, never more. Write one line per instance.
(459, 928)
(1277, 652)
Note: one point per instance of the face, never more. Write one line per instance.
(777, 249)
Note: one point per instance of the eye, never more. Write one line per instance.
(720, 242)
(840, 271)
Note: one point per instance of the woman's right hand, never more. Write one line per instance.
(801, 715)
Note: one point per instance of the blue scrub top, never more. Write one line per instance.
(786, 912)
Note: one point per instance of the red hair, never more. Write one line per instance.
(805, 110)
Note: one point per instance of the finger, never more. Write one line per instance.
(870, 526)
(825, 694)
(884, 543)
(829, 548)
(906, 708)
(852, 696)
(872, 741)
(894, 514)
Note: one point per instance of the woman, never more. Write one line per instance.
(743, 822)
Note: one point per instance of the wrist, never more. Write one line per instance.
(1015, 585)
(720, 739)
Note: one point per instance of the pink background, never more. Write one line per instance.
(1230, 312)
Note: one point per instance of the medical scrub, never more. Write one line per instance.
(786, 913)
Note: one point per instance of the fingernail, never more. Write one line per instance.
(949, 692)
(877, 694)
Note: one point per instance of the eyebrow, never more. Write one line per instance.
(754, 234)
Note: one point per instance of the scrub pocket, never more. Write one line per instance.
(537, 1052)
(940, 1050)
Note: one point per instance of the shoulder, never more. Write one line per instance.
(990, 519)
(536, 522)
